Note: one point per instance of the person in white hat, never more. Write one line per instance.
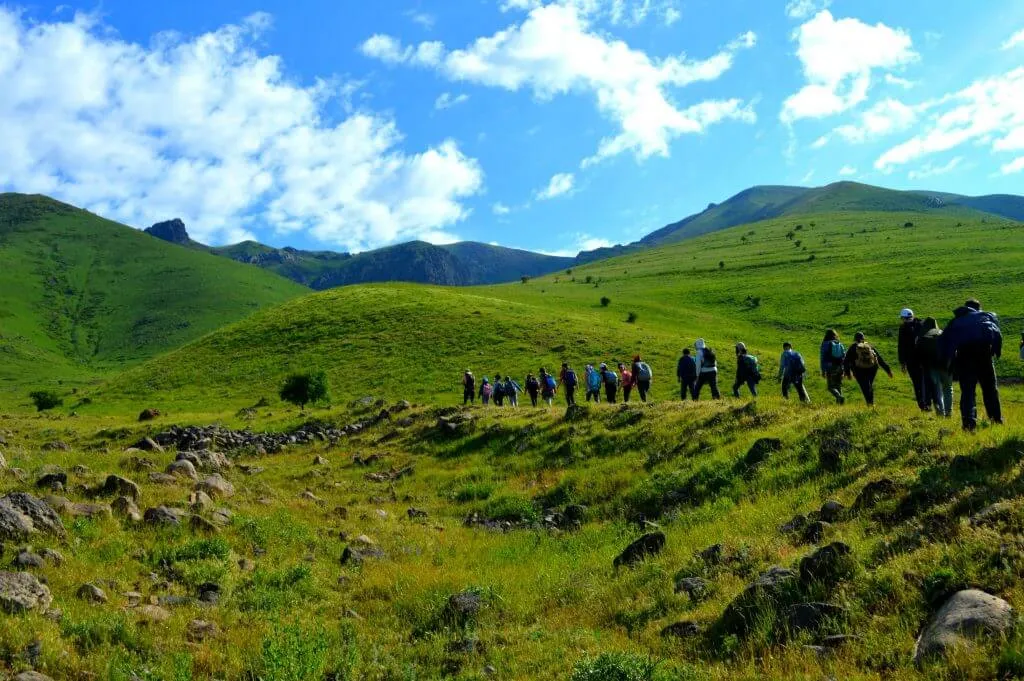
(909, 357)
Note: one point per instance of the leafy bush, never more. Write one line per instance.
(44, 399)
(631, 319)
(292, 653)
(302, 389)
(605, 301)
(721, 264)
(615, 667)
(525, 279)
(511, 508)
(589, 279)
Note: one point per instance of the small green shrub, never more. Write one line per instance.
(305, 388)
(293, 653)
(473, 491)
(631, 319)
(200, 549)
(511, 508)
(605, 301)
(615, 667)
(45, 399)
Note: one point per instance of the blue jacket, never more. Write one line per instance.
(971, 328)
(789, 364)
(687, 367)
(593, 379)
(827, 360)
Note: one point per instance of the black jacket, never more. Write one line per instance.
(907, 348)
(687, 367)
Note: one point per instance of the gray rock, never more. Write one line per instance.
(828, 565)
(814, 617)
(798, 523)
(22, 592)
(163, 515)
(119, 486)
(147, 444)
(126, 508)
(764, 593)
(52, 557)
(647, 545)
(712, 555)
(201, 524)
(575, 513)
(44, 518)
(182, 468)
(216, 486)
(874, 492)
(967, 614)
(995, 514)
(32, 676)
(207, 460)
(682, 630)
(198, 631)
(91, 511)
(696, 588)
(163, 479)
(815, 532)
(463, 606)
(28, 559)
(91, 593)
(153, 614)
(56, 480)
(14, 525)
(200, 501)
(831, 511)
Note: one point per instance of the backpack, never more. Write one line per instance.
(532, 384)
(499, 390)
(610, 377)
(645, 372)
(487, 390)
(549, 381)
(753, 367)
(570, 379)
(710, 359)
(865, 357)
(798, 366)
(837, 351)
(928, 350)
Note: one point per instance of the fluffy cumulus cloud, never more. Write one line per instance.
(989, 112)
(556, 51)
(801, 9)
(847, 171)
(560, 184)
(887, 117)
(1016, 40)
(208, 129)
(839, 57)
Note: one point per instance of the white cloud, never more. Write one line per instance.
(847, 171)
(500, 208)
(447, 100)
(806, 179)
(885, 118)
(555, 51)
(989, 112)
(899, 82)
(208, 129)
(1014, 166)
(928, 170)
(560, 184)
(438, 237)
(801, 9)
(580, 242)
(424, 19)
(391, 51)
(672, 15)
(1014, 40)
(838, 58)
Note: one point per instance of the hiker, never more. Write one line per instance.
(593, 384)
(792, 369)
(748, 371)
(971, 342)
(707, 370)
(910, 363)
(569, 381)
(627, 382)
(831, 357)
(486, 389)
(548, 387)
(862, 363)
(512, 390)
(468, 388)
(611, 383)
(498, 393)
(532, 388)
(1022, 347)
(686, 372)
(936, 369)
(642, 376)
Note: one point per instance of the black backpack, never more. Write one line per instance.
(710, 358)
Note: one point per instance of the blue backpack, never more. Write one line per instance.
(570, 378)
(549, 381)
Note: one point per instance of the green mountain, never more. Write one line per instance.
(80, 294)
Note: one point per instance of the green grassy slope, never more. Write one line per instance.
(80, 295)
(785, 279)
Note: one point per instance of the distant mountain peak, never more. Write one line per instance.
(172, 230)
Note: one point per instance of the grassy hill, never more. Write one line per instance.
(81, 295)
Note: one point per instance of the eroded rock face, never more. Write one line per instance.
(967, 614)
(22, 592)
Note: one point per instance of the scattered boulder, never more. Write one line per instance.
(126, 508)
(832, 452)
(52, 557)
(996, 514)
(967, 614)
(767, 593)
(216, 486)
(798, 523)
(27, 559)
(22, 592)
(163, 479)
(577, 412)
(14, 525)
(153, 614)
(148, 444)
(207, 460)
(463, 606)
(32, 676)
(758, 453)
(874, 492)
(319, 461)
(115, 485)
(91, 511)
(828, 565)
(696, 588)
(56, 446)
(831, 511)
(200, 501)
(415, 513)
(355, 556)
(91, 593)
(682, 630)
(209, 593)
(647, 545)
(814, 617)
(56, 481)
(201, 524)
(182, 468)
(575, 513)
(198, 631)
(163, 515)
(149, 414)
(712, 555)
(41, 516)
(815, 532)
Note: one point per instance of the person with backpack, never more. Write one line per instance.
(707, 370)
(468, 388)
(686, 372)
(792, 369)
(832, 355)
(611, 383)
(627, 382)
(642, 377)
(862, 363)
(512, 390)
(569, 381)
(486, 389)
(548, 387)
(747, 371)
(532, 386)
(936, 369)
(910, 362)
(498, 393)
(593, 379)
(972, 341)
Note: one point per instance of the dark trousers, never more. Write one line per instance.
(709, 378)
(533, 397)
(644, 387)
(866, 380)
(974, 368)
(627, 390)
(795, 382)
(570, 395)
(609, 393)
(922, 392)
(688, 388)
(594, 394)
(740, 382)
(468, 396)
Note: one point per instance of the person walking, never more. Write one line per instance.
(642, 376)
(910, 363)
(593, 379)
(831, 356)
(862, 363)
(707, 370)
(569, 381)
(468, 388)
(512, 390)
(486, 389)
(611, 383)
(792, 369)
(532, 386)
(548, 386)
(498, 393)
(747, 371)
(627, 382)
(972, 341)
(936, 369)
(686, 372)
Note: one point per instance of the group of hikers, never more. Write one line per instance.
(932, 357)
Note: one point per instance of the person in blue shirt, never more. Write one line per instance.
(972, 341)
(831, 356)
(593, 378)
(686, 372)
(791, 372)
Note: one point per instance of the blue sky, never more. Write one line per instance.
(552, 125)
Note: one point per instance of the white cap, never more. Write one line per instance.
(907, 313)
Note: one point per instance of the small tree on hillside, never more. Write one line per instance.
(525, 279)
(631, 319)
(44, 399)
(305, 388)
(605, 301)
